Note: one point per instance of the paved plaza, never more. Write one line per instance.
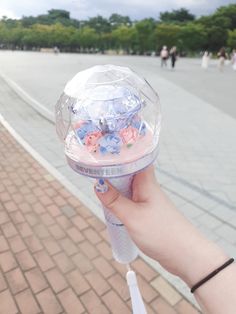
(196, 165)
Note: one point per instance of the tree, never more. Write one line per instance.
(216, 28)
(192, 37)
(125, 37)
(99, 23)
(176, 16)
(145, 31)
(228, 12)
(167, 35)
(88, 37)
(232, 39)
(117, 20)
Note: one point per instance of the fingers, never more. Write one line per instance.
(119, 205)
(143, 185)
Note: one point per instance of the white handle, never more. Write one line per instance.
(123, 248)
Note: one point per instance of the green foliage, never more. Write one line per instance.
(167, 35)
(228, 12)
(176, 16)
(176, 28)
(99, 23)
(232, 39)
(192, 37)
(117, 20)
(145, 35)
(125, 38)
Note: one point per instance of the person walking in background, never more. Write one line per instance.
(164, 56)
(222, 55)
(234, 59)
(173, 56)
(205, 60)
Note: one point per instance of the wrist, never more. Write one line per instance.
(204, 257)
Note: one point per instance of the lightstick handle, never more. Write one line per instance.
(123, 248)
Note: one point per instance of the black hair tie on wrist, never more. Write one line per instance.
(212, 274)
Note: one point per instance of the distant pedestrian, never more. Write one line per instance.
(164, 56)
(205, 60)
(173, 56)
(222, 55)
(234, 59)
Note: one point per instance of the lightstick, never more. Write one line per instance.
(109, 119)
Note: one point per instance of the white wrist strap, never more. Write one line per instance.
(135, 295)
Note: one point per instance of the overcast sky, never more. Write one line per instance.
(83, 9)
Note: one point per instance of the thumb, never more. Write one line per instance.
(119, 205)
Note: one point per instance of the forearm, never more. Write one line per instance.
(196, 257)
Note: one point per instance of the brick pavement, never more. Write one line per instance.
(54, 253)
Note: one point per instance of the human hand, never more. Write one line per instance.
(159, 230)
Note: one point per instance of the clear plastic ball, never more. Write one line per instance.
(108, 116)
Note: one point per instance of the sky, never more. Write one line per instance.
(83, 9)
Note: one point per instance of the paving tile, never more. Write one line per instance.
(17, 244)
(68, 246)
(144, 269)
(119, 284)
(105, 268)
(36, 280)
(9, 230)
(75, 235)
(48, 302)
(17, 217)
(25, 260)
(56, 280)
(80, 222)
(3, 284)
(51, 246)
(4, 217)
(64, 222)
(70, 302)
(78, 282)
(33, 243)
(166, 290)
(44, 261)
(7, 303)
(57, 232)
(82, 262)
(67, 210)
(93, 303)
(92, 236)
(47, 219)
(147, 291)
(88, 249)
(63, 262)
(16, 280)
(98, 283)
(115, 304)
(24, 229)
(3, 244)
(27, 303)
(105, 250)
(97, 224)
(7, 261)
(162, 307)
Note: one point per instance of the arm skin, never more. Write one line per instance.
(164, 234)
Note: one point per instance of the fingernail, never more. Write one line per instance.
(101, 186)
